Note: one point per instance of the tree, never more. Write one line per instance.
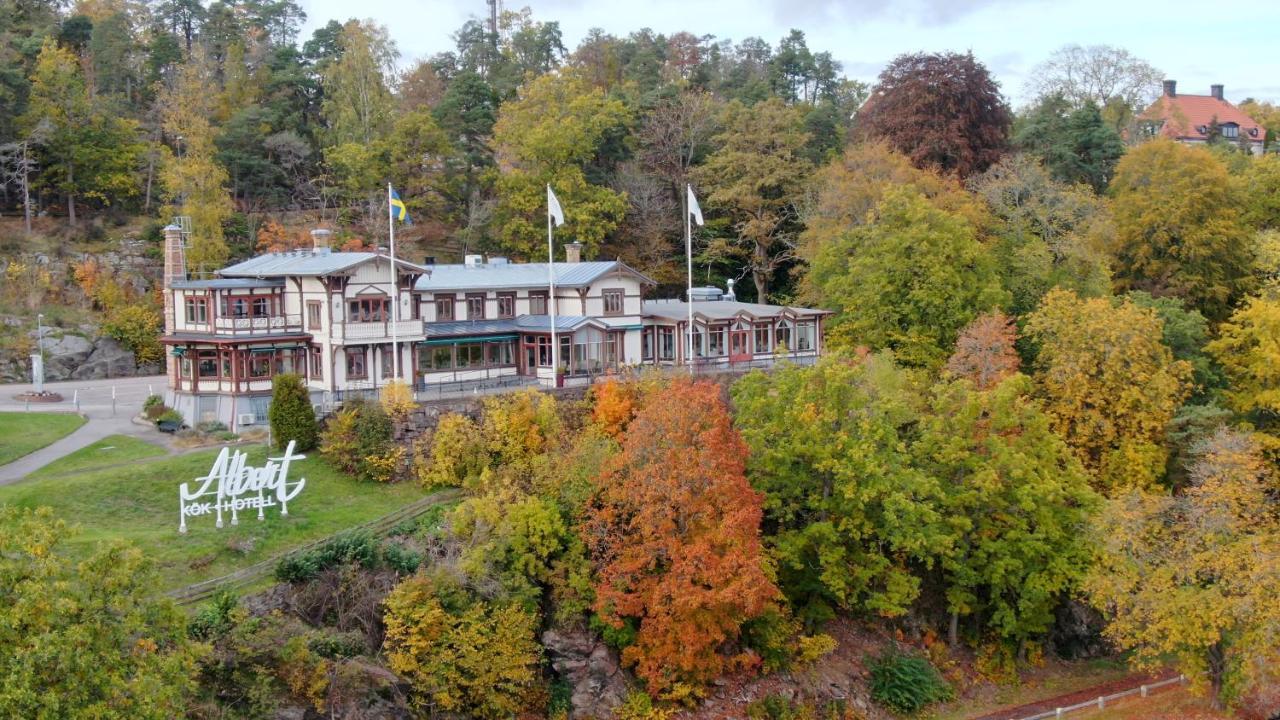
(1098, 74)
(291, 415)
(1186, 334)
(1191, 576)
(1178, 229)
(756, 175)
(1076, 145)
(847, 514)
(547, 136)
(460, 655)
(194, 181)
(1246, 349)
(1047, 232)
(908, 281)
(985, 353)
(1260, 188)
(674, 533)
(137, 326)
(676, 134)
(1109, 384)
(86, 153)
(943, 111)
(357, 105)
(1016, 501)
(87, 639)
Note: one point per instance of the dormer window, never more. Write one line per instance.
(1230, 130)
(1253, 132)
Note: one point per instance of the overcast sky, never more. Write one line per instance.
(1196, 43)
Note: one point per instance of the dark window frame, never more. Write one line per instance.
(315, 314)
(506, 305)
(362, 362)
(618, 295)
(442, 302)
(476, 301)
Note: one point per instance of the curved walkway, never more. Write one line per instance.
(105, 416)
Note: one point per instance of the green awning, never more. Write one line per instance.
(469, 340)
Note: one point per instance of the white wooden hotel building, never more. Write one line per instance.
(326, 315)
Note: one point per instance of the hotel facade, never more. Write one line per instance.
(482, 324)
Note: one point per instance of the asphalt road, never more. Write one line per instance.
(109, 406)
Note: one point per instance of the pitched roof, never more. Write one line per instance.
(226, 283)
(305, 263)
(720, 310)
(1187, 117)
(497, 276)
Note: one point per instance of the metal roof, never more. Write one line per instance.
(213, 338)
(719, 309)
(497, 276)
(304, 262)
(226, 283)
(530, 323)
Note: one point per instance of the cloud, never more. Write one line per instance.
(925, 13)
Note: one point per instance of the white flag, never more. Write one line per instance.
(553, 208)
(694, 209)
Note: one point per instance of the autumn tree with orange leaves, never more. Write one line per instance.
(985, 351)
(674, 532)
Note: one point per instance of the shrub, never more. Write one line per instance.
(291, 415)
(154, 412)
(215, 618)
(338, 441)
(401, 559)
(457, 455)
(170, 415)
(226, 436)
(905, 683)
(210, 427)
(337, 644)
(397, 399)
(152, 401)
(356, 547)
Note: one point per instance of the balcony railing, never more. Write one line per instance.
(268, 325)
(405, 329)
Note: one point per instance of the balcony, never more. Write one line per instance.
(380, 331)
(250, 326)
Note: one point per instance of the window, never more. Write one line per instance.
(475, 306)
(470, 356)
(782, 337)
(444, 309)
(506, 305)
(501, 353)
(538, 304)
(715, 341)
(804, 336)
(184, 367)
(237, 307)
(355, 363)
(1231, 130)
(613, 301)
(699, 346)
(226, 365)
(646, 344)
(313, 314)
(261, 307)
(666, 343)
(317, 363)
(197, 310)
(207, 367)
(285, 362)
(367, 310)
(440, 357)
(762, 338)
(260, 364)
(387, 358)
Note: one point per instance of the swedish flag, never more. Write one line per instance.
(398, 210)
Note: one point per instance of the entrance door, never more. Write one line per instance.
(739, 346)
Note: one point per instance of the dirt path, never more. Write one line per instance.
(1079, 696)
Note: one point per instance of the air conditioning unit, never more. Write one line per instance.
(246, 419)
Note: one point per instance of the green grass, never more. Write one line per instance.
(139, 502)
(25, 432)
(111, 450)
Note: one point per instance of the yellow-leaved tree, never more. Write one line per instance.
(1193, 577)
(1109, 384)
(1248, 347)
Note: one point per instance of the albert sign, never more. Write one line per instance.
(232, 486)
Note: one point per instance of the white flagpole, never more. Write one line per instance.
(688, 249)
(395, 290)
(551, 298)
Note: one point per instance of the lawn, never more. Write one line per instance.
(1054, 678)
(25, 432)
(111, 450)
(139, 502)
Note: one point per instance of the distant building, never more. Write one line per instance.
(1190, 119)
(326, 315)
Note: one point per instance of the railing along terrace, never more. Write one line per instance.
(369, 330)
(264, 325)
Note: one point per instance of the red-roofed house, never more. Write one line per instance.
(1188, 118)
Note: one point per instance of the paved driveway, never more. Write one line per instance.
(93, 399)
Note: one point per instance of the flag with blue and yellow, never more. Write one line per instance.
(398, 210)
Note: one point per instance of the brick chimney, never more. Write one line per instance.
(1171, 88)
(1216, 91)
(175, 269)
(573, 252)
(320, 238)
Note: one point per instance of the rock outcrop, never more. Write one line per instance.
(591, 669)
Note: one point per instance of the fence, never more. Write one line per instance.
(1101, 701)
